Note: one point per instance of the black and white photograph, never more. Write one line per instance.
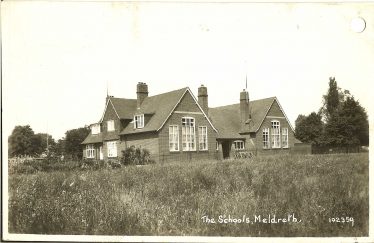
(185, 121)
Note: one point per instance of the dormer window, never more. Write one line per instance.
(139, 121)
(95, 129)
(110, 125)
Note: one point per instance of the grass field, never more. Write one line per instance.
(171, 199)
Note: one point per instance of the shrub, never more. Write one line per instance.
(136, 156)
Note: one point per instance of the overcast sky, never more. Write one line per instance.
(59, 57)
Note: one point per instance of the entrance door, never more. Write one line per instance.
(226, 147)
(101, 153)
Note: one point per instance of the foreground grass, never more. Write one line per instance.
(171, 199)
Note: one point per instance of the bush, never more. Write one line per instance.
(136, 156)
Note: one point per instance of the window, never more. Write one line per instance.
(239, 145)
(203, 138)
(112, 149)
(139, 121)
(90, 151)
(173, 138)
(188, 134)
(285, 137)
(110, 125)
(275, 132)
(95, 129)
(265, 136)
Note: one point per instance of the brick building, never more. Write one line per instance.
(176, 126)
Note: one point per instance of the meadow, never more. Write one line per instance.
(172, 199)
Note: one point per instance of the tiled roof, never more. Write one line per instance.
(111, 135)
(97, 138)
(227, 118)
(125, 108)
(159, 107)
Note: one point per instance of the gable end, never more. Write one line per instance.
(180, 99)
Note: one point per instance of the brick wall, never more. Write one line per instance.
(275, 113)
(110, 114)
(146, 140)
(186, 105)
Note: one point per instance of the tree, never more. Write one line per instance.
(59, 148)
(331, 102)
(20, 141)
(309, 129)
(40, 143)
(349, 125)
(73, 141)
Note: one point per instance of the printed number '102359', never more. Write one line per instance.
(342, 220)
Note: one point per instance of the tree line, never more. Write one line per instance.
(24, 142)
(340, 122)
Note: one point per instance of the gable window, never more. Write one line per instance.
(90, 151)
(139, 121)
(239, 145)
(112, 149)
(188, 134)
(285, 137)
(95, 129)
(275, 133)
(203, 138)
(173, 138)
(266, 138)
(110, 125)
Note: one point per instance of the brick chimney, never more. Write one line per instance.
(141, 93)
(244, 109)
(203, 98)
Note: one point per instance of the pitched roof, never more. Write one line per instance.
(227, 118)
(98, 138)
(159, 106)
(124, 108)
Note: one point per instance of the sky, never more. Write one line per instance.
(59, 58)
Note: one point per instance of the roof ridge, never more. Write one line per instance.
(272, 97)
(168, 92)
(110, 97)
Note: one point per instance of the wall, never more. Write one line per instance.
(145, 140)
(186, 105)
(110, 114)
(274, 113)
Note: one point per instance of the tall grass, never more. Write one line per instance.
(171, 199)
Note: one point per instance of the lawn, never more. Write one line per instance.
(177, 198)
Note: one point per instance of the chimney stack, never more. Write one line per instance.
(141, 93)
(244, 109)
(203, 98)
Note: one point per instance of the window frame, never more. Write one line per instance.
(110, 125)
(201, 137)
(266, 138)
(90, 151)
(174, 128)
(139, 121)
(95, 129)
(191, 133)
(276, 137)
(285, 135)
(112, 147)
(240, 147)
